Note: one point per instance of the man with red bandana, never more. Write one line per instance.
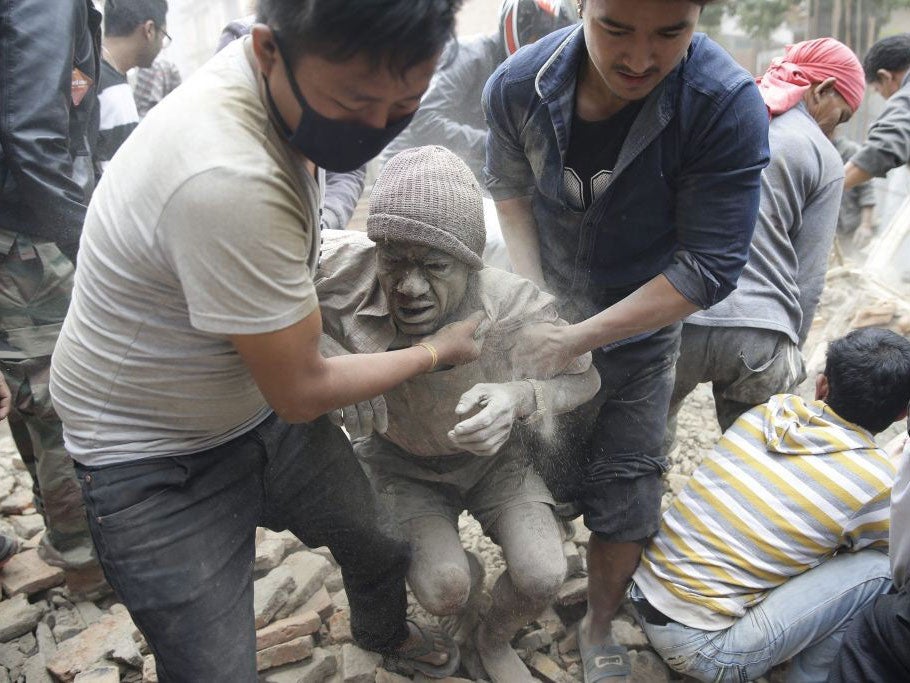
(748, 345)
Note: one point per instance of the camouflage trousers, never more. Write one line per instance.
(36, 282)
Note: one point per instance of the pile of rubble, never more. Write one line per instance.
(302, 615)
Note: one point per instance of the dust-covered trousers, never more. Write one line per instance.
(745, 365)
(36, 282)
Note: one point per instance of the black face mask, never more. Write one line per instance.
(339, 146)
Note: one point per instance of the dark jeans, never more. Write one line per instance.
(876, 646)
(176, 539)
(608, 455)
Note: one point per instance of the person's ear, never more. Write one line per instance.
(821, 387)
(824, 88)
(884, 77)
(150, 29)
(264, 48)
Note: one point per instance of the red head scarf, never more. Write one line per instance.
(804, 64)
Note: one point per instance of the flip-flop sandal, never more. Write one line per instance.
(605, 662)
(407, 664)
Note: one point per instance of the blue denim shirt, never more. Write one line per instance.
(684, 194)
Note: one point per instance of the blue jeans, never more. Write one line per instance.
(803, 621)
(176, 539)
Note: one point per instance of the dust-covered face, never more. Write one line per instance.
(424, 286)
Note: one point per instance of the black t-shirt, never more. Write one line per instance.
(594, 148)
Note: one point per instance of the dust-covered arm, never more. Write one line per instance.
(502, 404)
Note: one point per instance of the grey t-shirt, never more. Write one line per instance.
(204, 225)
(800, 198)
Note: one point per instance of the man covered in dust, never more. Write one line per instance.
(452, 440)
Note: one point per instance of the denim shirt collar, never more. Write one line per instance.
(555, 84)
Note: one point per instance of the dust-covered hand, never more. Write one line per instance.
(540, 351)
(6, 398)
(362, 419)
(460, 342)
(500, 405)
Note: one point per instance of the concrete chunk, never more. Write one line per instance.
(27, 526)
(67, 623)
(149, 669)
(358, 665)
(628, 635)
(287, 629)
(111, 637)
(35, 670)
(18, 502)
(29, 574)
(321, 603)
(317, 669)
(647, 667)
(340, 628)
(284, 653)
(310, 572)
(102, 674)
(269, 554)
(547, 670)
(17, 617)
(270, 593)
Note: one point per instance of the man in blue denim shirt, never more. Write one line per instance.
(644, 220)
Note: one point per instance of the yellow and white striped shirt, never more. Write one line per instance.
(787, 486)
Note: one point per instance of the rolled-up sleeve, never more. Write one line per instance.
(887, 145)
(718, 198)
(507, 173)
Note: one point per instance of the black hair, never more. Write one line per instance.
(121, 17)
(868, 375)
(891, 54)
(398, 34)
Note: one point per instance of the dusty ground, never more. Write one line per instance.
(63, 621)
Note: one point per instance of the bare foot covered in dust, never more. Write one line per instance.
(426, 650)
(502, 663)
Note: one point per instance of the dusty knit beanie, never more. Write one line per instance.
(429, 196)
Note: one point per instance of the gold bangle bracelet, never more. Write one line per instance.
(433, 354)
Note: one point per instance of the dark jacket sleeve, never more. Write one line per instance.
(718, 199)
(36, 67)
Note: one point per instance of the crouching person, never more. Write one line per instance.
(452, 440)
(773, 546)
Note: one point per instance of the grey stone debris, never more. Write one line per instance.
(357, 665)
(67, 623)
(101, 674)
(17, 617)
(317, 669)
(270, 593)
(309, 571)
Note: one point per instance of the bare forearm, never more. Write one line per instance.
(854, 175)
(348, 379)
(519, 229)
(867, 214)
(655, 304)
